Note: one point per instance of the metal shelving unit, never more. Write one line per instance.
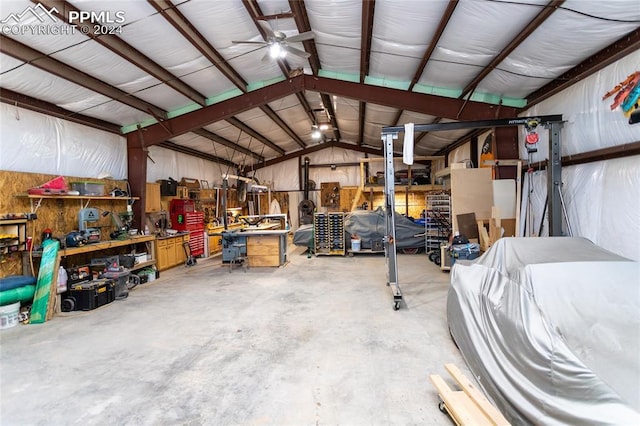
(437, 220)
(328, 233)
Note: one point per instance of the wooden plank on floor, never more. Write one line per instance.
(476, 396)
(459, 406)
(467, 406)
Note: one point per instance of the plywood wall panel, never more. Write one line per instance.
(59, 215)
(471, 192)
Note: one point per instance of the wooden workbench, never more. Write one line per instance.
(89, 248)
(266, 247)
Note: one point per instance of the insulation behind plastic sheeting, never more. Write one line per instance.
(164, 163)
(461, 154)
(488, 27)
(405, 37)
(558, 51)
(37, 143)
(337, 24)
(591, 124)
(602, 201)
(285, 175)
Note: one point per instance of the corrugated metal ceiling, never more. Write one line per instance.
(164, 60)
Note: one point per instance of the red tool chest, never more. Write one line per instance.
(185, 218)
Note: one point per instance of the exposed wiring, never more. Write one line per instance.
(449, 62)
(568, 9)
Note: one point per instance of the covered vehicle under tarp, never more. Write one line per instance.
(550, 327)
(369, 225)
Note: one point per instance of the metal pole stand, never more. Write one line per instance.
(389, 239)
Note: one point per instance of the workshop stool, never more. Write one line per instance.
(240, 259)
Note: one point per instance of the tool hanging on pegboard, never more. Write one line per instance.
(330, 194)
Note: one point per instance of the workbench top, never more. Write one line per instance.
(254, 231)
(166, 237)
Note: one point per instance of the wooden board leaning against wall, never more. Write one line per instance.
(59, 215)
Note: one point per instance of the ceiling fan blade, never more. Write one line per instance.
(264, 43)
(301, 37)
(267, 29)
(297, 52)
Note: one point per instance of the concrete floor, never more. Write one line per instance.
(313, 342)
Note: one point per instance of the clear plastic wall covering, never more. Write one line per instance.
(602, 199)
(590, 123)
(36, 143)
(164, 163)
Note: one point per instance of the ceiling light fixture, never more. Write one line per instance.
(316, 134)
(324, 126)
(276, 51)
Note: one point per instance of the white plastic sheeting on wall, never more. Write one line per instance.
(590, 123)
(164, 163)
(38, 143)
(602, 200)
(462, 154)
(287, 177)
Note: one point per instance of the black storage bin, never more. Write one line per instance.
(168, 187)
(127, 260)
(88, 295)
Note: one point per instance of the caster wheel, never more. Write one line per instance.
(441, 407)
(432, 256)
(436, 259)
(396, 306)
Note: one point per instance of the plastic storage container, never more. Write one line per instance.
(168, 187)
(88, 295)
(9, 315)
(88, 188)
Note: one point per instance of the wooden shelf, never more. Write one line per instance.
(103, 245)
(380, 188)
(75, 197)
(142, 265)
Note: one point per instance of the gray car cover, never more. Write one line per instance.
(550, 328)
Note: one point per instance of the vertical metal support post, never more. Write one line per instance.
(554, 180)
(225, 188)
(390, 221)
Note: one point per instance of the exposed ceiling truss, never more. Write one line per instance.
(315, 94)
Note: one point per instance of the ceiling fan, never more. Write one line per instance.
(277, 42)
